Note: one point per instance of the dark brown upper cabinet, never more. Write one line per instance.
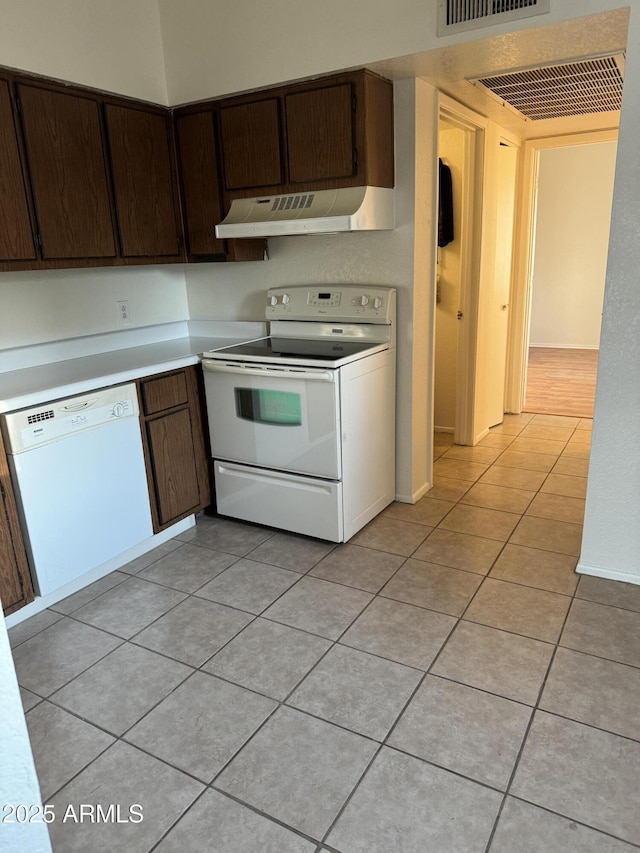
(65, 156)
(323, 134)
(198, 157)
(143, 181)
(16, 231)
(91, 179)
(198, 168)
(320, 134)
(250, 135)
(86, 178)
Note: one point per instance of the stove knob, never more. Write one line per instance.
(364, 300)
(273, 300)
(377, 302)
(285, 299)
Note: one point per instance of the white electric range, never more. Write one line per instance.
(302, 422)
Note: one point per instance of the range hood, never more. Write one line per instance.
(318, 212)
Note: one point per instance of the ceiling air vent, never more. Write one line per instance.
(556, 91)
(456, 16)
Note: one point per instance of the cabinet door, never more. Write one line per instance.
(16, 235)
(320, 134)
(15, 580)
(174, 465)
(143, 182)
(200, 182)
(66, 161)
(250, 139)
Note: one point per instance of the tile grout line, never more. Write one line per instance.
(535, 709)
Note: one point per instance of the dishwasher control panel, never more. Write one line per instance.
(29, 428)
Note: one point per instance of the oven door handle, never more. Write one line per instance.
(272, 372)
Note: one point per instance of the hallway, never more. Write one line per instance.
(561, 381)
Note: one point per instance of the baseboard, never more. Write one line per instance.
(609, 574)
(415, 496)
(564, 346)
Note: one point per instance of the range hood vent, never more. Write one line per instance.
(320, 212)
(555, 91)
(456, 16)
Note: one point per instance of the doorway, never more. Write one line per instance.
(460, 149)
(474, 274)
(559, 273)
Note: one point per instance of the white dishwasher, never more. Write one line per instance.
(78, 470)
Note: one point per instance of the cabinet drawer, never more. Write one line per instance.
(163, 393)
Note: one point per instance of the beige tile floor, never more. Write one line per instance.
(444, 682)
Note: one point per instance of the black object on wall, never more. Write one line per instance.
(445, 205)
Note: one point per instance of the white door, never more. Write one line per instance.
(498, 296)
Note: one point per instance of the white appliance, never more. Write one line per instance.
(317, 212)
(302, 423)
(78, 469)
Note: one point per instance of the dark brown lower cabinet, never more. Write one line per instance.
(16, 588)
(176, 445)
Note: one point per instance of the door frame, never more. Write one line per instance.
(513, 144)
(471, 196)
(524, 246)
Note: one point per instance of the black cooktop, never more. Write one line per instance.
(321, 349)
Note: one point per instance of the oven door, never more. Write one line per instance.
(286, 418)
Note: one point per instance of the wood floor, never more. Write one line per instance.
(561, 381)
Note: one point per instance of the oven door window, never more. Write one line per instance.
(265, 406)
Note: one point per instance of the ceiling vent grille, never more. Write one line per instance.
(556, 91)
(458, 15)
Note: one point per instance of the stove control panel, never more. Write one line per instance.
(323, 298)
(360, 303)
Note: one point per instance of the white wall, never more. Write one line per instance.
(393, 258)
(575, 189)
(114, 45)
(611, 542)
(52, 305)
(451, 150)
(18, 780)
(214, 48)
(210, 52)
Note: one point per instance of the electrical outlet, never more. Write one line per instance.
(124, 318)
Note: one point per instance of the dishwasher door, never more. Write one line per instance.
(83, 496)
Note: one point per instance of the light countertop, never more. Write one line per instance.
(68, 376)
